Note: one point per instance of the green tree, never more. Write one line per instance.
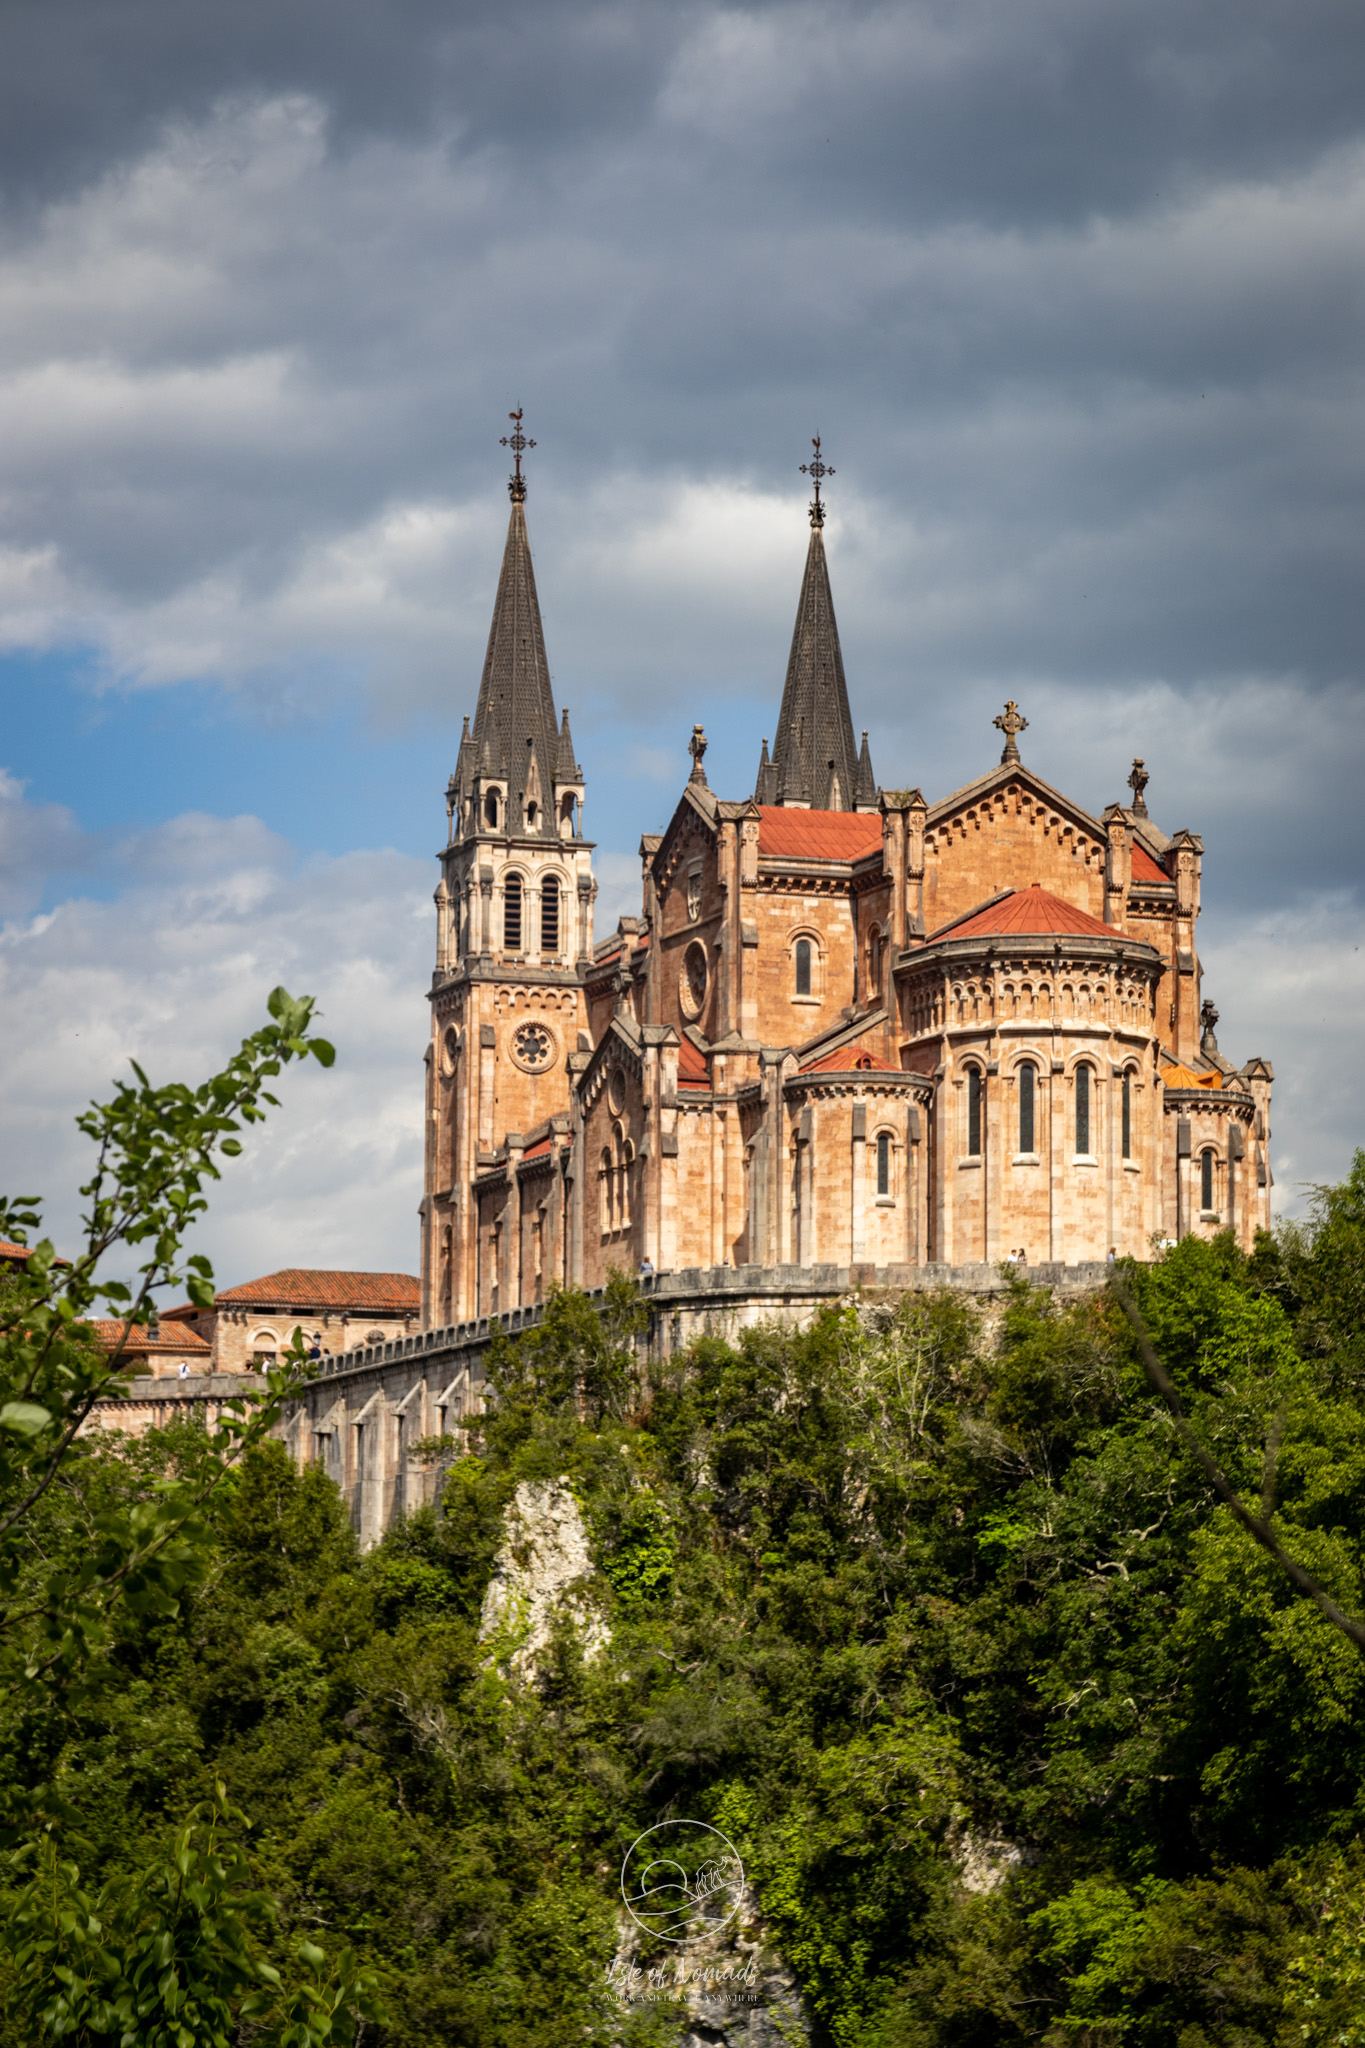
(165, 1953)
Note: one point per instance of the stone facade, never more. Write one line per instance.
(883, 1032)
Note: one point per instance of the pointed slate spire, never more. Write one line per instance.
(566, 767)
(865, 795)
(515, 722)
(765, 790)
(814, 728)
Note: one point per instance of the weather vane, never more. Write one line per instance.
(518, 443)
(815, 469)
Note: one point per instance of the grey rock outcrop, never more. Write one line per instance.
(542, 1579)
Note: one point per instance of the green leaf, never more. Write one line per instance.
(24, 1418)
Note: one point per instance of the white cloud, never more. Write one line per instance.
(175, 972)
(1291, 987)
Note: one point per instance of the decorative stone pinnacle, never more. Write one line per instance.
(1208, 1022)
(696, 747)
(1011, 722)
(815, 469)
(1137, 782)
(518, 443)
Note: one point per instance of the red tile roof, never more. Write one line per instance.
(1145, 868)
(849, 1060)
(789, 834)
(177, 1340)
(1176, 1076)
(610, 959)
(1027, 910)
(305, 1287)
(534, 1151)
(10, 1250)
(692, 1068)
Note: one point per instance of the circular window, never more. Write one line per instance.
(616, 1090)
(692, 981)
(450, 1048)
(533, 1047)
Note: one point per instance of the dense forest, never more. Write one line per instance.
(1021, 1737)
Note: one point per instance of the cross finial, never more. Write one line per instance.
(1011, 722)
(1137, 782)
(815, 469)
(518, 443)
(696, 747)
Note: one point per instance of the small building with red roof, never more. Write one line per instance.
(250, 1325)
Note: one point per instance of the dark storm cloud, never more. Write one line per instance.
(1074, 292)
(1041, 108)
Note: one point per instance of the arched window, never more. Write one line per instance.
(623, 1206)
(566, 816)
(511, 914)
(606, 1191)
(549, 916)
(1206, 1180)
(974, 1112)
(803, 951)
(532, 813)
(490, 810)
(1082, 1110)
(1026, 1133)
(1127, 1113)
(883, 1163)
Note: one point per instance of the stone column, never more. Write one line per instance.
(488, 1053)
(914, 1160)
(858, 1191)
(1056, 1133)
(511, 1296)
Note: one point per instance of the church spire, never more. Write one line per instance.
(814, 759)
(515, 728)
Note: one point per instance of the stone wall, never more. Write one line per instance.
(363, 1416)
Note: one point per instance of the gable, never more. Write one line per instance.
(1010, 831)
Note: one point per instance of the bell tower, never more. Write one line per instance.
(513, 938)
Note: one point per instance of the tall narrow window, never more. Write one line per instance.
(490, 810)
(511, 914)
(803, 967)
(974, 1112)
(1083, 1109)
(1026, 1109)
(1128, 1116)
(1206, 1180)
(549, 917)
(883, 1163)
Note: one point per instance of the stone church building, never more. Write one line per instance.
(851, 1026)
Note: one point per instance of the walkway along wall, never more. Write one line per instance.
(363, 1416)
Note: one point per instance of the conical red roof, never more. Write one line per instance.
(1031, 910)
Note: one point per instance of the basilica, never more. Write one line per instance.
(851, 1027)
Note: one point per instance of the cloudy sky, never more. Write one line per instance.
(1072, 291)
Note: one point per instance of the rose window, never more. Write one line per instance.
(533, 1046)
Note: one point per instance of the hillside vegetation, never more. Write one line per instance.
(1021, 1738)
